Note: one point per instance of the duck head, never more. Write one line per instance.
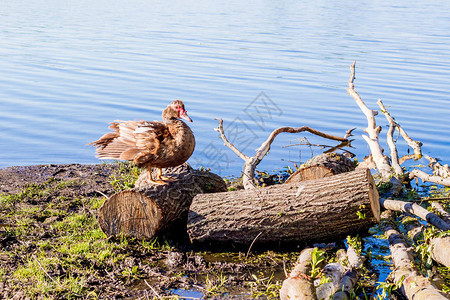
(175, 110)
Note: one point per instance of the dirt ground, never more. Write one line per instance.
(52, 246)
(94, 178)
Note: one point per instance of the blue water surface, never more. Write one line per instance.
(67, 68)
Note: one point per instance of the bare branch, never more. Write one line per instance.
(348, 133)
(413, 144)
(414, 285)
(248, 178)
(265, 147)
(381, 161)
(430, 178)
(415, 209)
(228, 144)
(390, 139)
(406, 157)
(321, 146)
(438, 169)
(445, 215)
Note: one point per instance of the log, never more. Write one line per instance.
(430, 178)
(152, 210)
(299, 285)
(349, 278)
(333, 272)
(323, 165)
(439, 245)
(415, 209)
(414, 285)
(325, 209)
(445, 215)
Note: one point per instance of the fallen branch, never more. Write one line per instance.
(350, 277)
(390, 139)
(432, 199)
(415, 209)
(414, 286)
(437, 168)
(440, 209)
(333, 272)
(299, 284)
(250, 164)
(373, 131)
(153, 289)
(415, 145)
(331, 148)
(439, 245)
(430, 178)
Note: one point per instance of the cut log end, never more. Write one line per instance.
(374, 197)
(130, 213)
(323, 165)
(158, 210)
(309, 173)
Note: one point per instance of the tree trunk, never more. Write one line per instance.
(323, 165)
(157, 210)
(316, 210)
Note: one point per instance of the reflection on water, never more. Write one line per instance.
(68, 68)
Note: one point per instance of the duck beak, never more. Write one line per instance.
(185, 116)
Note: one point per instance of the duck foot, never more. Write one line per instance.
(164, 178)
(158, 182)
(159, 176)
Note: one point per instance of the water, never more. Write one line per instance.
(67, 68)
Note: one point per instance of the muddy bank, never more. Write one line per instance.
(52, 246)
(88, 180)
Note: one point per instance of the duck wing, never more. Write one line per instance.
(132, 140)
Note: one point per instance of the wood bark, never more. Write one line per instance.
(323, 165)
(445, 216)
(324, 209)
(430, 178)
(299, 285)
(439, 245)
(333, 272)
(415, 209)
(349, 278)
(414, 285)
(157, 210)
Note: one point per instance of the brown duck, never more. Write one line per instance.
(150, 144)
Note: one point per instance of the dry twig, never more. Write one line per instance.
(251, 162)
(415, 145)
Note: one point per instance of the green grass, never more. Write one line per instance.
(56, 245)
(125, 177)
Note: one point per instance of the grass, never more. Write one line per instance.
(125, 177)
(55, 246)
(55, 249)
